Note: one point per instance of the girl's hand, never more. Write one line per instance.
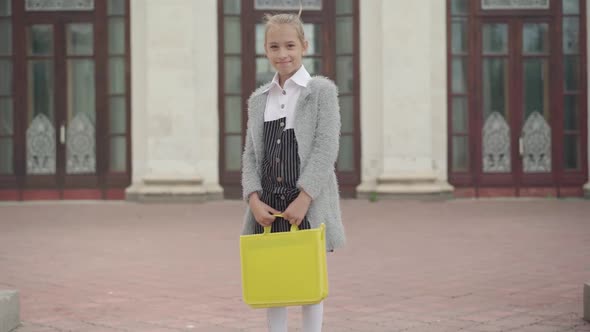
(262, 212)
(297, 210)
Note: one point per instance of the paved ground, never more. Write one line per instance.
(488, 265)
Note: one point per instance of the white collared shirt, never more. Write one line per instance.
(281, 102)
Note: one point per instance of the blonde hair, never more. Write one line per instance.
(293, 20)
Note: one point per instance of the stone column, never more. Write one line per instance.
(174, 99)
(587, 185)
(404, 107)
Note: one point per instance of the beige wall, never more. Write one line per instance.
(403, 97)
(174, 105)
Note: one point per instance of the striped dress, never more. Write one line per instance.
(280, 172)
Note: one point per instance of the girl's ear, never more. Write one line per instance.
(305, 46)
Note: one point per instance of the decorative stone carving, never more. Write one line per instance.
(514, 4)
(288, 4)
(536, 135)
(81, 145)
(57, 5)
(41, 146)
(496, 144)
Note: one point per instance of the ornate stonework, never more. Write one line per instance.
(536, 135)
(58, 5)
(496, 144)
(514, 4)
(81, 145)
(41, 146)
(288, 4)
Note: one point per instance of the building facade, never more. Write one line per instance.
(146, 99)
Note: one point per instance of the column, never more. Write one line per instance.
(174, 106)
(404, 99)
(587, 185)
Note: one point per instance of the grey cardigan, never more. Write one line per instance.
(317, 130)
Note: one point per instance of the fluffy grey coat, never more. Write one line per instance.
(317, 129)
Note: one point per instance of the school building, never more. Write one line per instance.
(146, 99)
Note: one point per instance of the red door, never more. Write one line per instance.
(516, 112)
(59, 110)
(68, 109)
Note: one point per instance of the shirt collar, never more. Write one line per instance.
(301, 78)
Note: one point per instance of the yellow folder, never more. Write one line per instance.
(285, 268)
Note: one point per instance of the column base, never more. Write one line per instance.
(406, 186)
(172, 189)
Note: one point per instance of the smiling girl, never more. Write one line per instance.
(290, 151)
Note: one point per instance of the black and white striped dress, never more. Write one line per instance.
(280, 172)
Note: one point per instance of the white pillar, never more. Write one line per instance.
(174, 99)
(403, 96)
(371, 112)
(587, 185)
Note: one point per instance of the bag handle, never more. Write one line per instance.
(294, 228)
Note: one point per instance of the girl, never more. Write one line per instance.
(291, 147)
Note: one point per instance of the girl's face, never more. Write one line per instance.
(284, 50)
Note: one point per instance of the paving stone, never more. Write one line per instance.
(458, 265)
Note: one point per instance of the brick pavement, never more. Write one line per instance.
(459, 265)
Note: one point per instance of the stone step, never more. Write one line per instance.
(9, 310)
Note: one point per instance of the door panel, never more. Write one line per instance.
(70, 88)
(80, 121)
(41, 133)
(535, 145)
(516, 102)
(61, 104)
(496, 106)
(537, 112)
(541, 97)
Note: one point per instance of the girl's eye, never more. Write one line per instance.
(274, 47)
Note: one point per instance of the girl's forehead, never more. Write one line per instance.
(281, 30)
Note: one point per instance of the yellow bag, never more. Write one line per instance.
(284, 268)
